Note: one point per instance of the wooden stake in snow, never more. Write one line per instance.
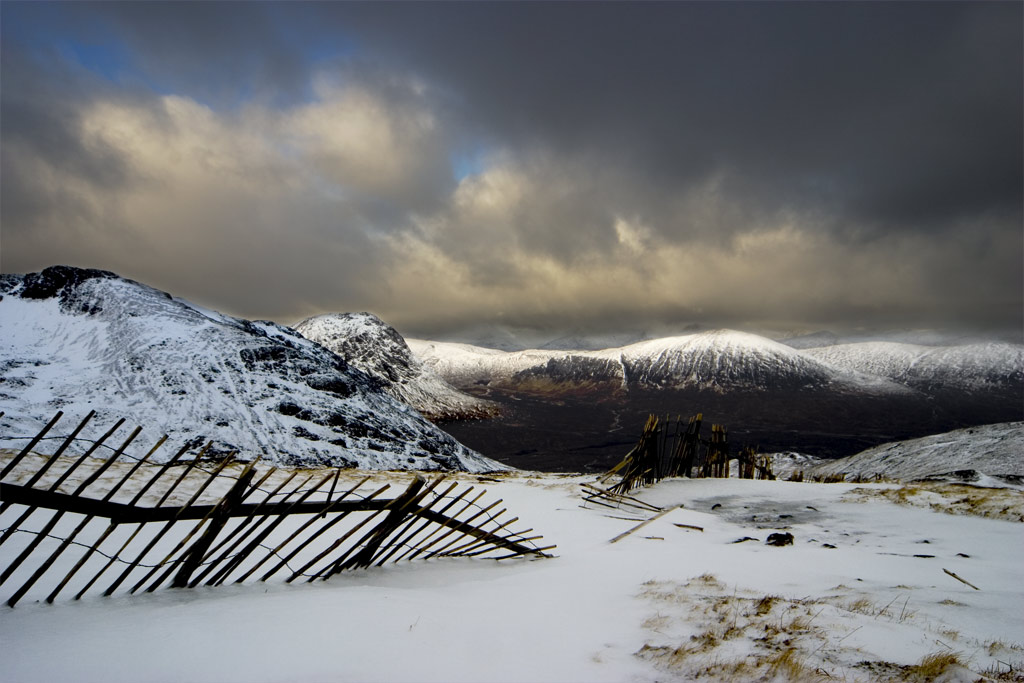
(960, 580)
(641, 525)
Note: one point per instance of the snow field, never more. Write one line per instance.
(663, 603)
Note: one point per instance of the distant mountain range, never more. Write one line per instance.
(79, 340)
(728, 361)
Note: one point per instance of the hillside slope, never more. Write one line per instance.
(80, 340)
(995, 450)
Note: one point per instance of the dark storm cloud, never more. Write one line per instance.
(897, 112)
(731, 161)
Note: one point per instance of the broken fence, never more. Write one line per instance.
(672, 448)
(74, 524)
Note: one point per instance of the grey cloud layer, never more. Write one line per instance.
(735, 163)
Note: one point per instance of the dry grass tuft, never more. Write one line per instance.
(953, 499)
(952, 603)
(707, 581)
(862, 606)
(656, 622)
(765, 604)
(788, 665)
(934, 665)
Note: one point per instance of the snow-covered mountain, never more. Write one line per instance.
(720, 360)
(729, 360)
(371, 345)
(964, 367)
(79, 340)
(995, 450)
(726, 360)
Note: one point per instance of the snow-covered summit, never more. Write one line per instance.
(368, 343)
(722, 359)
(79, 340)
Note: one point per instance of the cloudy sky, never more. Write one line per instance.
(562, 165)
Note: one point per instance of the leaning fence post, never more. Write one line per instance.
(194, 555)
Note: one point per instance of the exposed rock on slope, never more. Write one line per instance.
(77, 340)
(376, 348)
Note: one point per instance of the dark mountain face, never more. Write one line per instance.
(78, 340)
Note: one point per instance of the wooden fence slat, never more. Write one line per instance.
(412, 553)
(336, 544)
(55, 518)
(4, 488)
(401, 538)
(243, 531)
(212, 512)
(457, 527)
(390, 524)
(239, 556)
(195, 554)
(211, 564)
(31, 444)
(454, 501)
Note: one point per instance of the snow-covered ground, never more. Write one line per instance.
(861, 595)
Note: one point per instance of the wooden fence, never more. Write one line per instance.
(670, 448)
(80, 523)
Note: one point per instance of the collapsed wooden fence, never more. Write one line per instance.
(123, 522)
(670, 448)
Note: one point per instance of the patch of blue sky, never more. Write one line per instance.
(467, 163)
(108, 59)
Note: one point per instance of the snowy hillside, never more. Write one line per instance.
(991, 450)
(371, 345)
(79, 340)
